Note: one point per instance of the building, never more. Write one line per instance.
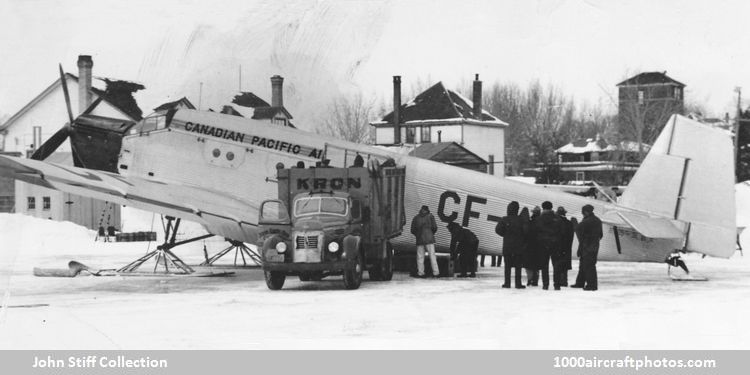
(439, 115)
(593, 160)
(450, 153)
(42, 117)
(247, 104)
(646, 101)
(182, 103)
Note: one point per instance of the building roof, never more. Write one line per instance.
(650, 78)
(582, 146)
(57, 83)
(263, 113)
(179, 102)
(248, 99)
(447, 152)
(438, 103)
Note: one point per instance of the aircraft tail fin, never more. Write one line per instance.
(688, 175)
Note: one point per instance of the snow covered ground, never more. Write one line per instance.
(637, 306)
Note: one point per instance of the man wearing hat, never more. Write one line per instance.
(423, 227)
(561, 260)
(589, 233)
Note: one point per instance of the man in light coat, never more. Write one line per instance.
(423, 227)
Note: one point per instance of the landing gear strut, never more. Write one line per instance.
(239, 249)
(163, 253)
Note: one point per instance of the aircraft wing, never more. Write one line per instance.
(220, 213)
(651, 227)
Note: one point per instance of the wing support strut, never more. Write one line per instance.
(163, 253)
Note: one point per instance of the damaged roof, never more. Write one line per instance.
(439, 103)
(248, 99)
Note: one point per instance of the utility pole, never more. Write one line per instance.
(738, 90)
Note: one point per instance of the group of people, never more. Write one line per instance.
(464, 245)
(530, 241)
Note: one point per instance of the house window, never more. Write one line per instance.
(279, 120)
(31, 203)
(426, 130)
(46, 203)
(677, 93)
(580, 176)
(640, 96)
(410, 133)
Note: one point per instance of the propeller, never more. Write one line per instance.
(93, 139)
(51, 145)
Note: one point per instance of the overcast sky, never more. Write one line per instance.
(330, 48)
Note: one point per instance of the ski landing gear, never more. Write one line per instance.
(163, 253)
(239, 249)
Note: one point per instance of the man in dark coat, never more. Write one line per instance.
(561, 258)
(465, 244)
(423, 227)
(531, 261)
(513, 228)
(589, 233)
(548, 230)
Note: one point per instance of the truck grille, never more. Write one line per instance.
(306, 242)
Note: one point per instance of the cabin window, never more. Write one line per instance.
(31, 203)
(150, 124)
(230, 155)
(641, 96)
(426, 131)
(580, 176)
(46, 203)
(216, 152)
(677, 93)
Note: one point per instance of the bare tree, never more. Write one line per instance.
(348, 118)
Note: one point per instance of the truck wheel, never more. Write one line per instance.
(353, 275)
(275, 280)
(382, 270)
(387, 267)
(304, 277)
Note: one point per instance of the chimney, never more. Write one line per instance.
(477, 97)
(396, 109)
(277, 91)
(84, 82)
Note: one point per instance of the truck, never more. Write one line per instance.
(332, 221)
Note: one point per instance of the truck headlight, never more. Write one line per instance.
(281, 247)
(333, 247)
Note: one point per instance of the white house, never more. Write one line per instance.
(40, 119)
(439, 115)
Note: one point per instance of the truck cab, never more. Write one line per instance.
(322, 225)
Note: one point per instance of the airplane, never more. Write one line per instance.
(216, 169)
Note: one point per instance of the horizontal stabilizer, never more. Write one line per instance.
(651, 227)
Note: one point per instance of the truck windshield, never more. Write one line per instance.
(321, 205)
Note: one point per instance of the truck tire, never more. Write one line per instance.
(304, 277)
(382, 270)
(388, 262)
(275, 280)
(353, 275)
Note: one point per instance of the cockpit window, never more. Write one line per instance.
(321, 205)
(154, 122)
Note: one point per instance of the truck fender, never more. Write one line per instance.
(351, 246)
(269, 246)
